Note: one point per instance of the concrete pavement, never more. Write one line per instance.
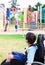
(22, 32)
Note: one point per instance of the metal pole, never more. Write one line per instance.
(40, 17)
(36, 19)
(25, 18)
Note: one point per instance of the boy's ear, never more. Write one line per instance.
(26, 40)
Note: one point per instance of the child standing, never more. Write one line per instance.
(16, 25)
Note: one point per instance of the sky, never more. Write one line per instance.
(23, 3)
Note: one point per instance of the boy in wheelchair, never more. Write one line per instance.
(30, 53)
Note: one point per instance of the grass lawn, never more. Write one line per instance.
(10, 43)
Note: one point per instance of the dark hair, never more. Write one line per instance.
(7, 8)
(30, 37)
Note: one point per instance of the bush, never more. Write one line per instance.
(12, 18)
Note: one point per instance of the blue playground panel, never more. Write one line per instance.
(43, 14)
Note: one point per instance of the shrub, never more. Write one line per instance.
(12, 18)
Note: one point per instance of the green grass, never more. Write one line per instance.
(12, 36)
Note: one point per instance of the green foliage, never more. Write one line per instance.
(21, 16)
(12, 18)
(34, 9)
(14, 4)
(43, 6)
(38, 4)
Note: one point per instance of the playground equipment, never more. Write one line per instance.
(2, 16)
(43, 15)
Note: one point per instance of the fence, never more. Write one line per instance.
(32, 25)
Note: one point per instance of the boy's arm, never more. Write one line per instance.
(30, 56)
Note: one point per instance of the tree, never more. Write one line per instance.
(43, 6)
(14, 3)
(34, 9)
(38, 4)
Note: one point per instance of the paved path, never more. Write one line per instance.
(23, 32)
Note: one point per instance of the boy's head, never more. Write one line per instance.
(7, 8)
(30, 37)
